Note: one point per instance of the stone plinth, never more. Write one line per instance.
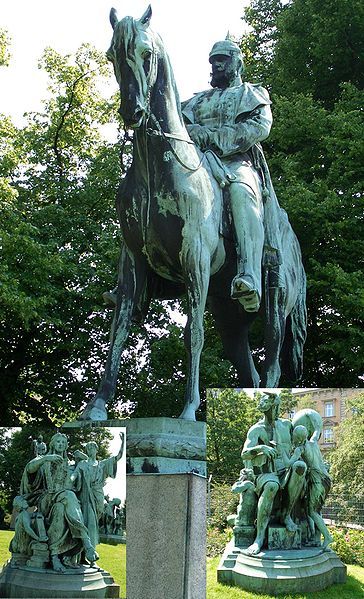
(165, 445)
(166, 532)
(166, 515)
(281, 572)
(39, 583)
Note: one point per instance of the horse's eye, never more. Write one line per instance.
(146, 58)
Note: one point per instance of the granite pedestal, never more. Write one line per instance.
(166, 516)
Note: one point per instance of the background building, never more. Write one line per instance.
(330, 403)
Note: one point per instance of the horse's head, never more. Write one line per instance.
(133, 54)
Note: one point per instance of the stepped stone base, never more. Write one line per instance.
(281, 571)
(38, 583)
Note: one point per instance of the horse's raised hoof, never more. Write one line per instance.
(95, 410)
(109, 298)
(188, 413)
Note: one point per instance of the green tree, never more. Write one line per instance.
(320, 45)
(4, 47)
(306, 401)
(259, 44)
(347, 459)
(315, 153)
(288, 402)
(59, 243)
(230, 413)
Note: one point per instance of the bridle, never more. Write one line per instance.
(155, 130)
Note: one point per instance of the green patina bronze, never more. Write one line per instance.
(67, 500)
(199, 216)
(89, 479)
(279, 524)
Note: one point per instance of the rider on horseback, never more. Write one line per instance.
(231, 119)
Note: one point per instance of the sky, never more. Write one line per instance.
(115, 487)
(189, 29)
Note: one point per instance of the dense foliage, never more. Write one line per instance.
(230, 413)
(310, 55)
(347, 459)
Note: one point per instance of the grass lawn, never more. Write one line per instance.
(352, 589)
(112, 558)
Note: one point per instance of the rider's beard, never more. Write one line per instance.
(222, 79)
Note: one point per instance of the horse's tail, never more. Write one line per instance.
(295, 336)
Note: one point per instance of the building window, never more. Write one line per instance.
(328, 435)
(329, 409)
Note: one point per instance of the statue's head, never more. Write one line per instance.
(58, 444)
(227, 64)
(247, 474)
(41, 448)
(270, 401)
(92, 449)
(299, 435)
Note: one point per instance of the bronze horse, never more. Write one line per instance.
(170, 209)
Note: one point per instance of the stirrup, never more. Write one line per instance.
(243, 290)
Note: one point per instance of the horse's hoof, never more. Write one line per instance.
(94, 412)
(188, 414)
(109, 298)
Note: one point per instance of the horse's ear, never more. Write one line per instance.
(145, 19)
(113, 18)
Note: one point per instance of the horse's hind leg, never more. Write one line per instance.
(233, 324)
(130, 290)
(196, 266)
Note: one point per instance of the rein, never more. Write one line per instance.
(167, 136)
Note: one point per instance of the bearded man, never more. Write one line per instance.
(231, 119)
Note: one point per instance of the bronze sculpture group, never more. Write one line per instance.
(67, 500)
(199, 216)
(284, 482)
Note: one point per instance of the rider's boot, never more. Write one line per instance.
(244, 290)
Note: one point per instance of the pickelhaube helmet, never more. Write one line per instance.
(226, 47)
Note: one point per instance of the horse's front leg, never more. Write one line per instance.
(196, 268)
(130, 291)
